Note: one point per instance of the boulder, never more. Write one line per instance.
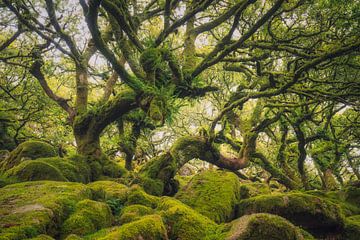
(89, 217)
(265, 226)
(29, 209)
(27, 150)
(313, 213)
(213, 194)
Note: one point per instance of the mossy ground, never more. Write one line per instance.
(110, 210)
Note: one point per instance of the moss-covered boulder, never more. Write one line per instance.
(114, 169)
(73, 169)
(105, 190)
(73, 237)
(28, 150)
(185, 223)
(134, 212)
(248, 190)
(32, 208)
(89, 216)
(352, 228)
(264, 226)
(150, 227)
(315, 214)
(213, 194)
(137, 195)
(42, 237)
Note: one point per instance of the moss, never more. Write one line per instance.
(315, 214)
(6, 180)
(150, 227)
(32, 208)
(183, 180)
(28, 150)
(54, 168)
(253, 189)
(73, 237)
(264, 226)
(134, 212)
(340, 198)
(353, 195)
(113, 169)
(185, 223)
(138, 196)
(213, 194)
(105, 190)
(88, 217)
(352, 227)
(42, 237)
(150, 185)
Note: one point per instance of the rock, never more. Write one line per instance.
(89, 216)
(42, 237)
(253, 189)
(137, 195)
(150, 227)
(185, 223)
(73, 169)
(264, 226)
(106, 190)
(32, 208)
(213, 194)
(134, 212)
(28, 150)
(315, 214)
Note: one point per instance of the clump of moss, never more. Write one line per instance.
(253, 189)
(113, 169)
(32, 208)
(213, 194)
(138, 196)
(42, 237)
(353, 195)
(28, 150)
(105, 190)
(134, 212)
(315, 214)
(352, 227)
(73, 237)
(341, 198)
(54, 168)
(264, 226)
(150, 227)
(185, 223)
(88, 217)
(150, 185)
